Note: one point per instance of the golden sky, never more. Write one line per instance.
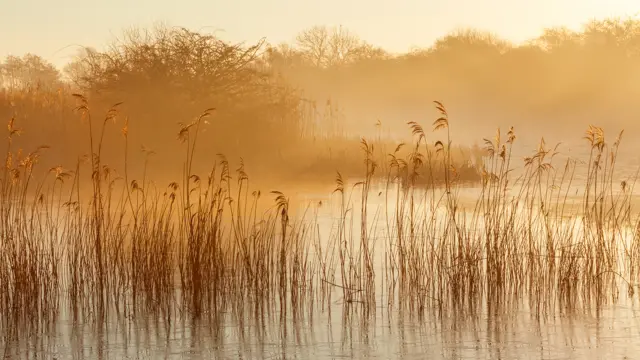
(53, 28)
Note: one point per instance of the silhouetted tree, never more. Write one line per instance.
(166, 75)
(78, 70)
(325, 46)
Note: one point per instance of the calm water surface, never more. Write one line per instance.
(511, 333)
(483, 330)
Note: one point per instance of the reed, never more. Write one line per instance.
(105, 244)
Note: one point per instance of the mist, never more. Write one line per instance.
(299, 110)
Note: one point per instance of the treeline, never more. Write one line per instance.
(556, 73)
(164, 78)
(563, 78)
(300, 102)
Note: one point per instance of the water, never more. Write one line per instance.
(511, 333)
(520, 327)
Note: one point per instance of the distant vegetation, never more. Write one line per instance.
(303, 106)
(565, 79)
(163, 77)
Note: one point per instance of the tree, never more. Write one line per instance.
(369, 52)
(167, 74)
(283, 56)
(29, 71)
(472, 42)
(343, 46)
(554, 39)
(188, 64)
(79, 68)
(324, 47)
(314, 45)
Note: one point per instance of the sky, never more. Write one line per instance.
(56, 29)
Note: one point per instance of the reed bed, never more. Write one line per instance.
(93, 243)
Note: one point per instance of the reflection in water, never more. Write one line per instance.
(503, 332)
(505, 270)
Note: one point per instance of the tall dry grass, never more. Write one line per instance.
(106, 244)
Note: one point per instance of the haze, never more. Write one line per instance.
(338, 72)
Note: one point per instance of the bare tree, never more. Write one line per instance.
(343, 45)
(29, 71)
(329, 46)
(314, 45)
(192, 64)
(79, 68)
